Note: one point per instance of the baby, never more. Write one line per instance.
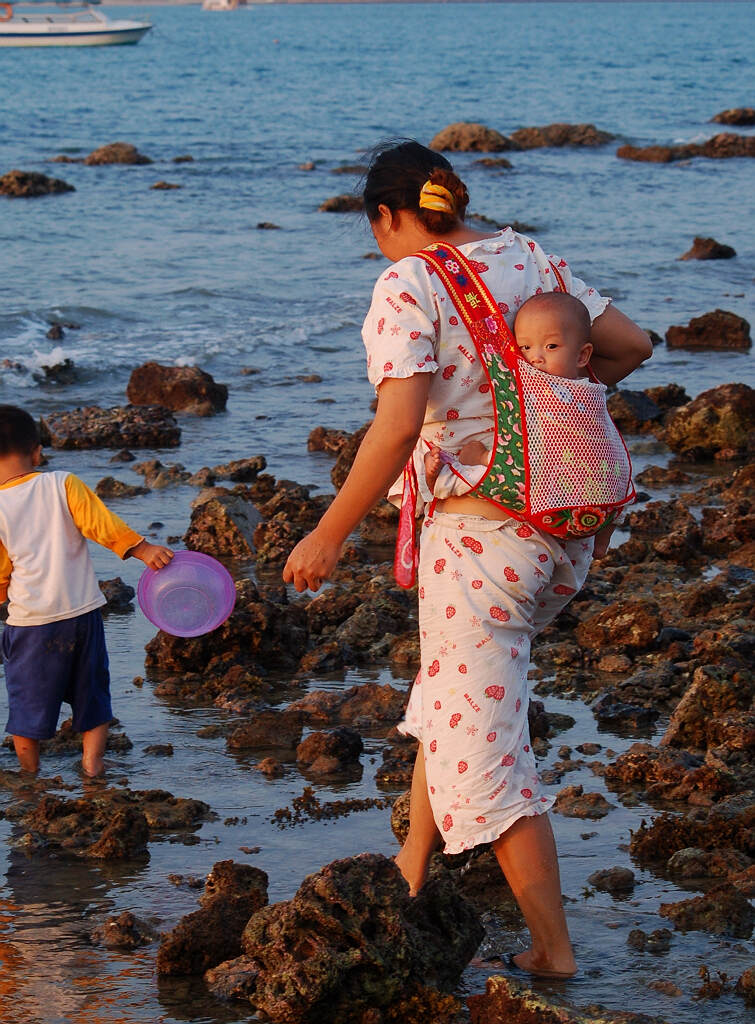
(552, 330)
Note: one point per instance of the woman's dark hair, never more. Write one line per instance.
(19, 434)
(397, 172)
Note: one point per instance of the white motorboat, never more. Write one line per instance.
(64, 23)
(222, 5)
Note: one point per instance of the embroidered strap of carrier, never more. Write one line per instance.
(469, 293)
(475, 305)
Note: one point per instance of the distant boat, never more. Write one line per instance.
(64, 23)
(222, 5)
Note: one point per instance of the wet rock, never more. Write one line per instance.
(362, 706)
(126, 931)
(470, 137)
(573, 802)
(717, 330)
(240, 470)
(745, 986)
(318, 965)
(736, 115)
(165, 186)
(212, 934)
(632, 624)
(666, 987)
(721, 146)
(658, 941)
(711, 693)
(357, 169)
(661, 476)
(342, 204)
(124, 455)
(224, 525)
(59, 373)
(723, 910)
(267, 225)
(496, 162)
(560, 135)
(633, 412)
(397, 766)
(184, 158)
(372, 621)
(116, 153)
(30, 184)
(55, 333)
(279, 729)
(328, 610)
(325, 752)
(708, 249)
(270, 767)
(694, 863)
(109, 487)
(668, 396)
(158, 476)
(119, 595)
(729, 823)
(260, 631)
(180, 388)
(613, 880)
(131, 426)
(346, 457)
(507, 1001)
(326, 439)
(276, 538)
(613, 713)
(87, 829)
(663, 773)
(159, 749)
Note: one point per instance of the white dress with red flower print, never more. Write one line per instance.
(412, 327)
(486, 587)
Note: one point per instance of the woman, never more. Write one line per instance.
(487, 583)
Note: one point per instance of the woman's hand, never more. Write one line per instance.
(312, 561)
(382, 455)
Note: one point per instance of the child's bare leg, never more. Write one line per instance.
(423, 836)
(527, 855)
(27, 752)
(473, 453)
(94, 742)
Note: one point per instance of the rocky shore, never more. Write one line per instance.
(662, 632)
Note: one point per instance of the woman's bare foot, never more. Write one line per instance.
(414, 875)
(542, 967)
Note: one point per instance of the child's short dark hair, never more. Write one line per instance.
(19, 434)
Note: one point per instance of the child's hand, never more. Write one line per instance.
(154, 556)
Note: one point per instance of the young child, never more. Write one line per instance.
(53, 645)
(552, 330)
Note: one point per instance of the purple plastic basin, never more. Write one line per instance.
(192, 595)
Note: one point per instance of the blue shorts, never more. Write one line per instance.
(58, 661)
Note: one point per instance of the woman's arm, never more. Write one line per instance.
(619, 346)
(382, 455)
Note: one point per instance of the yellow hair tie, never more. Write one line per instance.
(435, 197)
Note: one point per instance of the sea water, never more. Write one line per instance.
(186, 276)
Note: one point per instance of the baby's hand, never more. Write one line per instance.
(433, 463)
(154, 556)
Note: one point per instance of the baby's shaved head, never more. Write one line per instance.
(571, 313)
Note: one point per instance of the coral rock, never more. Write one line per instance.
(184, 388)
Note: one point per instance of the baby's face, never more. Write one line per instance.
(550, 342)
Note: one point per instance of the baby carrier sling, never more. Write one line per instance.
(558, 461)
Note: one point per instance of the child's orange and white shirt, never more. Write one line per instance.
(46, 573)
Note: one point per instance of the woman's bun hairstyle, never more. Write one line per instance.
(398, 173)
